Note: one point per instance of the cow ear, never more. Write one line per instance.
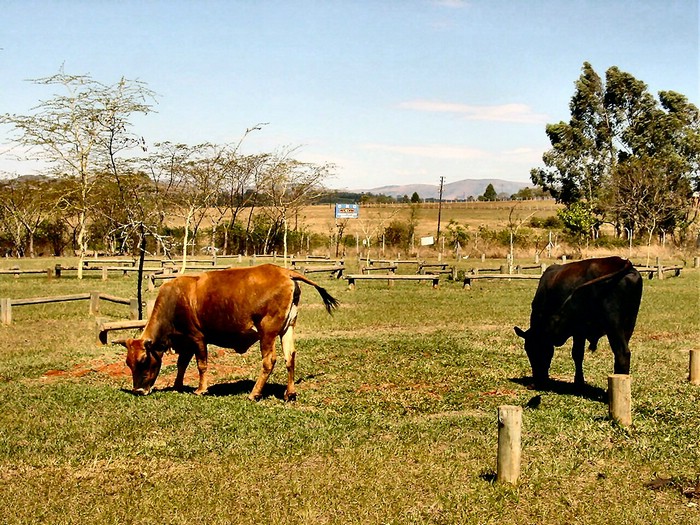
(148, 344)
(124, 342)
(520, 332)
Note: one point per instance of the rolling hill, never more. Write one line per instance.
(459, 190)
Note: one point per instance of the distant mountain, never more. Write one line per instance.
(459, 190)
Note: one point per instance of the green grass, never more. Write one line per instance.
(395, 421)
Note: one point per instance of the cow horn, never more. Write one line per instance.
(122, 342)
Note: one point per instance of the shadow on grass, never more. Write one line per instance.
(557, 386)
(245, 386)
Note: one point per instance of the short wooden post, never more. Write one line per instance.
(94, 303)
(150, 304)
(659, 268)
(6, 311)
(504, 269)
(563, 259)
(483, 257)
(696, 262)
(543, 267)
(620, 398)
(695, 367)
(537, 258)
(100, 335)
(510, 423)
(133, 308)
(49, 273)
(57, 270)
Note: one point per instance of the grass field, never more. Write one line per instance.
(395, 421)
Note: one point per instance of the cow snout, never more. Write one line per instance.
(141, 391)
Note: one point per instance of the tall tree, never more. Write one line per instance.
(72, 133)
(619, 132)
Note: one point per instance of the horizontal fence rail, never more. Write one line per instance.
(7, 304)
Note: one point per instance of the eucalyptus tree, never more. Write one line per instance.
(620, 144)
(78, 132)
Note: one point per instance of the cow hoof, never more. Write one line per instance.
(255, 397)
(200, 392)
(292, 396)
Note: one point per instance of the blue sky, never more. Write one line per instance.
(390, 91)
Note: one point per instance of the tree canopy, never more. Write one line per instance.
(632, 159)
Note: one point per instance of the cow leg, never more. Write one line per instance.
(621, 350)
(287, 341)
(269, 357)
(202, 366)
(183, 360)
(577, 352)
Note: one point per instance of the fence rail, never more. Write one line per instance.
(7, 304)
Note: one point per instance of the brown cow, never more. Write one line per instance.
(230, 308)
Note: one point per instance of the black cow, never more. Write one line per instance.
(584, 300)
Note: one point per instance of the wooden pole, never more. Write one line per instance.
(695, 367)
(94, 303)
(510, 422)
(620, 398)
(134, 308)
(6, 311)
(659, 268)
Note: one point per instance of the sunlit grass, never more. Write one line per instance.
(395, 421)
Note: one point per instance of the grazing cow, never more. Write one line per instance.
(584, 300)
(230, 308)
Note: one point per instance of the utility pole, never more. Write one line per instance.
(437, 237)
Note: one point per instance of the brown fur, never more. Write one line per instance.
(230, 308)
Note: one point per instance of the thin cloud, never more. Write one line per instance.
(516, 113)
(434, 151)
(452, 4)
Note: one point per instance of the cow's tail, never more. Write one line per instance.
(330, 302)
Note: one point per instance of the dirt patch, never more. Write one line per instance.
(221, 364)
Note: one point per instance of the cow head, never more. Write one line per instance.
(144, 361)
(540, 352)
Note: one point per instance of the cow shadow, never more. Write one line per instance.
(566, 388)
(245, 386)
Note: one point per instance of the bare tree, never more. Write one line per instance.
(289, 185)
(25, 202)
(71, 133)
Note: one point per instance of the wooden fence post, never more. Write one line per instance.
(94, 303)
(133, 308)
(510, 422)
(149, 307)
(6, 311)
(104, 273)
(696, 262)
(659, 268)
(694, 376)
(49, 273)
(620, 398)
(57, 270)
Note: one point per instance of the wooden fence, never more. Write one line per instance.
(7, 304)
